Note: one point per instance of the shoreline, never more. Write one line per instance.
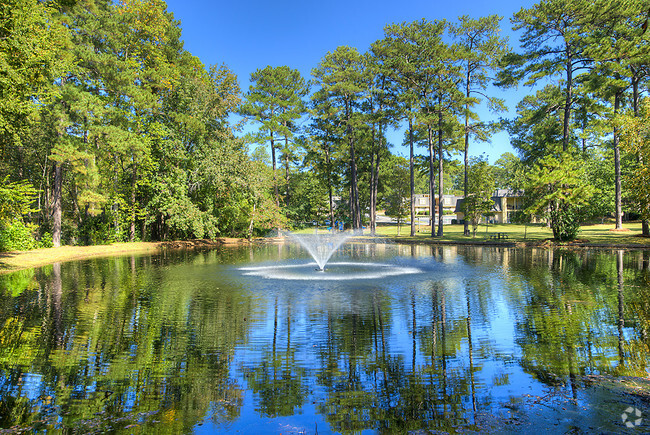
(547, 244)
(18, 260)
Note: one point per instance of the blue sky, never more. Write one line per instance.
(247, 35)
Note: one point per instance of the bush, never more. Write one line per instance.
(45, 240)
(96, 230)
(16, 236)
(565, 223)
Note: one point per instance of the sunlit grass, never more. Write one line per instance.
(39, 257)
(10, 261)
(596, 234)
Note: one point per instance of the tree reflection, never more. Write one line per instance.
(277, 380)
(108, 345)
(569, 329)
(166, 342)
(372, 386)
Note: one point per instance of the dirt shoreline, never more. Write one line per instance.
(18, 260)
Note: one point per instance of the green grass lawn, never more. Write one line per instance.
(595, 234)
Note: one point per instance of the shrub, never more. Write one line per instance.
(96, 230)
(45, 241)
(565, 223)
(16, 236)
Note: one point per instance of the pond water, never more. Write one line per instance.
(471, 339)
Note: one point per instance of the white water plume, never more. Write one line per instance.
(321, 246)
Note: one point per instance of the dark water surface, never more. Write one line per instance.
(471, 339)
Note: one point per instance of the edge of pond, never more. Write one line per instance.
(547, 244)
(19, 260)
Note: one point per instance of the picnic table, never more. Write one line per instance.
(498, 236)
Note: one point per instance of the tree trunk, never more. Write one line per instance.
(355, 187)
(56, 205)
(645, 227)
(568, 101)
(133, 186)
(432, 183)
(375, 187)
(275, 181)
(75, 203)
(412, 174)
(440, 173)
(286, 168)
(466, 157)
(116, 222)
(329, 183)
(373, 174)
(250, 225)
(356, 218)
(617, 165)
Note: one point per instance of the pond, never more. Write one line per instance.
(472, 339)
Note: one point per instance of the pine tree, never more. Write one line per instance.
(341, 78)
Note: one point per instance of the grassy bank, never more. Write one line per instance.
(589, 235)
(11, 261)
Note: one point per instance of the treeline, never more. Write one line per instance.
(116, 132)
(581, 136)
(110, 130)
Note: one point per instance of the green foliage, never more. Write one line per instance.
(16, 199)
(635, 131)
(32, 51)
(537, 130)
(478, 201)
(565, 222)
(599, 170)
(17, 282)
(45, 240)
(343, 79)
(309, 200)
(130, 136)
(16, 236)
(509, 172)
(397, 199)
(557, 188)
(95, 230)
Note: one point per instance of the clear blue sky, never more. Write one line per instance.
(247, 35)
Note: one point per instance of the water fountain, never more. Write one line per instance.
(321, 247)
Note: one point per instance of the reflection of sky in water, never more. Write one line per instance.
(198, 308)
(498, 373)
(30, 385)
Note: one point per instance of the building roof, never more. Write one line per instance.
(495, 207)
(501, 193)
(459, 203)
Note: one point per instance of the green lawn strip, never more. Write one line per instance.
(590, 235)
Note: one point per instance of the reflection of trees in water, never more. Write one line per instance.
(121, 337)
(106, 341)
(277, 379)
(371, 386)
(583, 313)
